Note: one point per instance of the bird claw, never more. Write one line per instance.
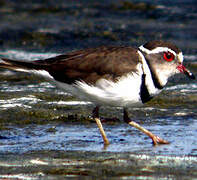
(157, 140)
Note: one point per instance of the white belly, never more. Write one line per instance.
(125, 92)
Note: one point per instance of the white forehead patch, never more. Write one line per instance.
(180, 57)
(156, 50)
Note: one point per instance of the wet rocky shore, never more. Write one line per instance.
(48, 134)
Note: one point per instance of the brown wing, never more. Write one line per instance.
(88, 65)
(92, 64)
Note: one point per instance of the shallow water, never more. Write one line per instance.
(51, 134)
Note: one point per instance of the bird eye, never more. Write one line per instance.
(168, 56)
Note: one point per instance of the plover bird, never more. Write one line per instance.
(111, 76)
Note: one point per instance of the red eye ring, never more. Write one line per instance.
(168, 56)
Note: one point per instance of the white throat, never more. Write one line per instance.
(149, 81)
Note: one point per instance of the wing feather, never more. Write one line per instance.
(87, 65)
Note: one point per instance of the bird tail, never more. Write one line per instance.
(19, 65)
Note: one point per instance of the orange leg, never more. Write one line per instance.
(99, 124)
(155, 139)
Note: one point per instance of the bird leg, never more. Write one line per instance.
(95, 113)
(155, 139)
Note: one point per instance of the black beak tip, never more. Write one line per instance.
(190, 75)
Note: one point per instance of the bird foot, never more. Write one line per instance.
(157, 140)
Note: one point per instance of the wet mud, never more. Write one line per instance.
(48, 134)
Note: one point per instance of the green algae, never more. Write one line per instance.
(21, 116)
(98, 165)
(37, 38)
(175, 101)
(142, 6)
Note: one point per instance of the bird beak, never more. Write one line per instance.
(185, 71)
